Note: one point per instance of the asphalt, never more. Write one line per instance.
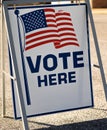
(87, 119)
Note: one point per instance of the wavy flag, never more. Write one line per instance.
(46, 26)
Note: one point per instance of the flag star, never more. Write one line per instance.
(34, 20)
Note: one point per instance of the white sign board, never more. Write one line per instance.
(53, 54)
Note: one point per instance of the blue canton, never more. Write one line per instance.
(34, 20)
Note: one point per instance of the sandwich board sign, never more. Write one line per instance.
(53, 54)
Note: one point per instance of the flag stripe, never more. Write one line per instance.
(62, 40)
(42, 37)
(67, 33)
(42, 40)
(40, 43)
(51, 20)
(65, 29)
(65, 39)
(50, 15)
(41, 32)
(63, 18)
(67, 44)
(49, 10)
(52, 25)
(64, 23)
(50, 34)
(44, 34)
(61, 13)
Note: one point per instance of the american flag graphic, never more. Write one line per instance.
(47, 26)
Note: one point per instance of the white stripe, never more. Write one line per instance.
(68, 31)
(53, 13)
(67, 36)
(52, 23)
(67, 26)
(63, 21)
(68, 41)
(64, 16)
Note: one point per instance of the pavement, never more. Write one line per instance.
(99, 10)
(87, 119)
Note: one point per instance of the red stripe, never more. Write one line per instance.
(52, 25)
(49, 10)
(50, 15)
(63, 18)
(41, 43)
(50, 20)
(64, 23)
(67, 44)
(40, 32)
(42, 37)
(63, 13)
(66, 39)
(65, 29)
(67, 34)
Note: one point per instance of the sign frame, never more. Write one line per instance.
(88, 59)
(21, 100)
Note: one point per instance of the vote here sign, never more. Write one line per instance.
(53, 54)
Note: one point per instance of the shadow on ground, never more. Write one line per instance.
(100, 124)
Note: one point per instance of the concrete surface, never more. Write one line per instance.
(86, 119)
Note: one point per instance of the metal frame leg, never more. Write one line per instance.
(97, 48)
